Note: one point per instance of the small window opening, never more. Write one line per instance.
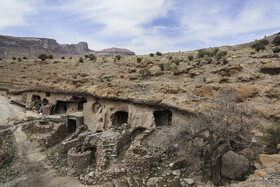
(163, 118)
(119, 118)
(72, 125)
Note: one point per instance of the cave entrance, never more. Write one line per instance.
(36, 102)
(137, 132)
(61, 107)
(119, 118)
(45, 102)
(72, 125)
(81, 104)
(163, 118)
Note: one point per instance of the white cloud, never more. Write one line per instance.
(13, 12)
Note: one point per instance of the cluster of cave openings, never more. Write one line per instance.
(119, 118)
(36, 102)
(163, 118)
(72, 125)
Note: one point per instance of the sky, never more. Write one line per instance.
(143, 26)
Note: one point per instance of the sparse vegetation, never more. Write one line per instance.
(190, 57)
(139, 59)
(258, 46)
(50, 56)
(276, 40)
(168, 67)
(265, 42)
(170, 57)
(70, 57)
(161, 66)
(81, 59)
(14, 58)
(158, 53)
(177, 62)
(118, 57)
(43, 57)
(92, 57)
(145, 72)
(221, 54)
(19, 59)
(1, 59)
(273, 135)
(63, 57)
(152, 54)
(86, 56)
(25, 58)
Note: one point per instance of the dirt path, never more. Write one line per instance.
(30, 162)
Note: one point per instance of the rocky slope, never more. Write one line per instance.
(33, 47)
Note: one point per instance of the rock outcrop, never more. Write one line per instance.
(33, 47)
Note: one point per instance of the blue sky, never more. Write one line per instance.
(142, 26)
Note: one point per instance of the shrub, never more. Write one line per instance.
(92, 57)
(177, 62)
(215, 51)
(63, 57)
(70, 57)
(170, 57)
(118, 57)
(168, 67)
(81, 59)
(276, 50)
(43, 57)
(50, 56)
(139, 59)
(190, 57)
(158, 53)
(258, 46)
(19, 59)
(145, 72)
(161, 65)
(201, 53)
(221, 54)
(152, 54)
(276, 40)
(86, 56)
(273, 135)
(25, 58)
(264, 42)
(0, 58)
(14, 58)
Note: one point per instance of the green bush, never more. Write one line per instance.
(190, 57)
(92, 57)
(70, 57)
(177, 62)
(14, 58)
(258, 46)
(43, 57)
(201, 53)
(63, 57)
(86, 56)
(276, 40)
(221, 54)
(161, 66)
(81, 59)
(25, 58)
(215, 51)
(145, 72)
(118, 57)
(1, 59)
(170, 57)
(152, 54)
(168, 67)
(50, 56)
(264, 42)
(273, 135)
(139, 59)
(158, 53)
(19, 59)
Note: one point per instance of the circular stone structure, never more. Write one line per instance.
(79, 160)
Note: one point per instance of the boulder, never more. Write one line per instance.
(245, 91)
(269, 160)
(153, 181)
(204, 91)
(234, 166)
(270, 68)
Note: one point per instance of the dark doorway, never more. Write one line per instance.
(119, 118)
(36, 102)
(48, 94)
(81, 104)
(163, 118)
(61, 107)
(45, 102)
(72, 125)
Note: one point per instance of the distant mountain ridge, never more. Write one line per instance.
(32, 47)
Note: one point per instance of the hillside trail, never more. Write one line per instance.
(31, 164)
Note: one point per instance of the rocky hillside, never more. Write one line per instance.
(33, 47)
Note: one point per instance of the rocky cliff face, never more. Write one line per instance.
(33, 47)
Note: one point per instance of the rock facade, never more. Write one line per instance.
(33, 47)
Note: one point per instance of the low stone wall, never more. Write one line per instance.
(79, 160)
